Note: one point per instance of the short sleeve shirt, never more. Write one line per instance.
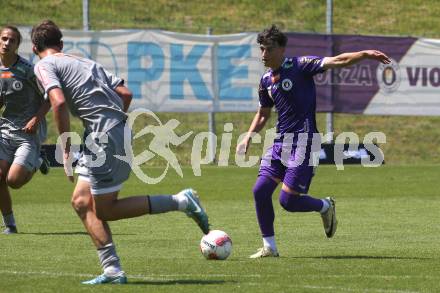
(21, 97)
(88, 88)
(291, 89)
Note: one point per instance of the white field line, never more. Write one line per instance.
(339, 289)
(170, 277)
(141, 277)
(155, 276)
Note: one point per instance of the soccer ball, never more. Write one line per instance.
(216, 245)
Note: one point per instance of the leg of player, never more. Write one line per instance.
(15, 176)
(26, 162)
(44, 163)
(100, 233)
(18, 176)
(263, 190)
(292, 201)
(110, 208)
(5, 200)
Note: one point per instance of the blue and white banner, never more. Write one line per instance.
(170, 72)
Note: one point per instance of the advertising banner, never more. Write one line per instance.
(174, 72)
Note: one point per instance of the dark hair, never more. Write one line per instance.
(14, 29)
(45, 35)
(272, 35)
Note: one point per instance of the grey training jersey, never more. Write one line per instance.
(88, 89)
(21, 98)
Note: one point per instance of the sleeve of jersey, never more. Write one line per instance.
(265, 100)
(112, 80)
(311, 65)
(35, 83)
(47, 77)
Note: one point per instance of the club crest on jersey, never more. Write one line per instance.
(17, 85)
(286, 84)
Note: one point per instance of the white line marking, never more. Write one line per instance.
(152, 276)
(171, 277)
(338, 289)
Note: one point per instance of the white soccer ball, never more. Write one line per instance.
(216, 245)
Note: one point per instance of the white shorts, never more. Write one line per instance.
(109, 176)
(20, 149)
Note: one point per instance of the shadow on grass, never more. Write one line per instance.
(64, 233)
(178, 282)
(359, 257)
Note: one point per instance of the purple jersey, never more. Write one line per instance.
(292, 90)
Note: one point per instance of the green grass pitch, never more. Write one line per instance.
(387, 240)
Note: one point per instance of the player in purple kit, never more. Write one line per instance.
(288, 85)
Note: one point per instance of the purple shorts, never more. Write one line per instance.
(291, 164)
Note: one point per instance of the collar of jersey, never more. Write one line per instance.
(276, 71)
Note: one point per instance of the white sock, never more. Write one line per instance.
(325, 206)
(182, 201)
(270, 242)
(9, 219)
(112, 270)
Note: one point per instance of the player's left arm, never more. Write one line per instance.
(125, 94)
(347, 59)
(32, 124)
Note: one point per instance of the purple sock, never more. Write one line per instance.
(299, 203)
(263, 189)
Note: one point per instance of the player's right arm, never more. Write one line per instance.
(262, 115)
(62, 121)
(47, 77)
(60, 110)
(258, 123)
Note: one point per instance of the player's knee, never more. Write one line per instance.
(289, 201)
(80, 205)
(16, 180)
(264, 187)
(15, 183)
(284, 202)
(258, 192)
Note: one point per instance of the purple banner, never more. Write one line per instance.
(349, 89)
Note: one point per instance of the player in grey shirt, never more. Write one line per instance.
(100, 100)
(22, 124)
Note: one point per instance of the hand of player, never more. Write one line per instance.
(68, 169)
(378, 55)
(242, 147)
(31, 126)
